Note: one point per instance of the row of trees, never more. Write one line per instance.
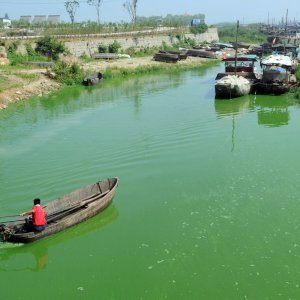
(129, 5)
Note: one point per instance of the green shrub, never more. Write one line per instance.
(190, 42)
(182, 42)
(49, 47)
(14, 57)
(30, 51)
(68, 74)
(114, 47)
(199, 28)
(32, 55)
(102, 48)
(140, 51)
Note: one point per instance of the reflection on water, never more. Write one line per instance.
(73, 99)
(232, 107)
(272, 111)
(9, 253)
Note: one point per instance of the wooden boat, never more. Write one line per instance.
(201, 53)
(208, 47)
(181, 54)
(93, 79)
(243, 67)
(240, 45)
(39, 254)
(232, 86)
(166, 57)
(238, 77)
(277, 76)
(256, 50)
(64, 212)
(223, 45)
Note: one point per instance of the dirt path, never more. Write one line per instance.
(17, 88)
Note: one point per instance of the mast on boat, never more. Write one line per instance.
(285, 31)
(236, 45)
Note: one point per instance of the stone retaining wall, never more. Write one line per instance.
(88, 44)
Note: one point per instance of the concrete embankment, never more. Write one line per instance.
(79, 45)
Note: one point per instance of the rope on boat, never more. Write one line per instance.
(6, 232)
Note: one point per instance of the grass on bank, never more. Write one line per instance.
(114, 72)
(15, 76)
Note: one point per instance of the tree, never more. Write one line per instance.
(71, 7)
(131, 6)
(49, 47)
(97, 4)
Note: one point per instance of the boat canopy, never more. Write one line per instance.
(247, 57)
(278, 60)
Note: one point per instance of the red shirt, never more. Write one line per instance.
(38, 216)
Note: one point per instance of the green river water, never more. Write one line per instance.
(208, 204)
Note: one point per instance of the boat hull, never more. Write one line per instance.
(272, 88)
(231, 87)
(201, 53)
(166, 57)
(93, 79)
(79, 205)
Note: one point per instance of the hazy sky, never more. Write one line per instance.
(112, 10)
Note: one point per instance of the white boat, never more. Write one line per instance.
(233, 83)
(278, 74)
(277, 59)
(232, 86)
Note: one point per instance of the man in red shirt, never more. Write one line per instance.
(38, 222)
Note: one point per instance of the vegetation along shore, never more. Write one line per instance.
(38, 65)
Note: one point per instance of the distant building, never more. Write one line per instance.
(39, 19)
(53, 19)
(196, 22)
(25, 19)
(5, 22)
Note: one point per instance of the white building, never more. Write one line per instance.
(5, 22)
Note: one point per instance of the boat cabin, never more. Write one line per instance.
(285, 49)
(274, 74)
(242, 66)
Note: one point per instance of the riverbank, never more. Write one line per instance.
(22, 84)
